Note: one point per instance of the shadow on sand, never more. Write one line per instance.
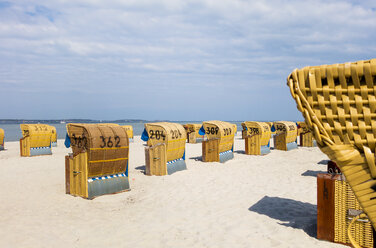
(291, 213)
(142, 168)
(325, 162)
(199, 158)
(311, 173)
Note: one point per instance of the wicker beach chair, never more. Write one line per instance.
(1, 139)
(338, 103)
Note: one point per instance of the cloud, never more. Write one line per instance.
(232, 48)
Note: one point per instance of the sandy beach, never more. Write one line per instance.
(250, 201)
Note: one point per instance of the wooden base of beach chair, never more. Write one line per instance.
(68, 161)
(77, 182)
(280, 143)
(156, 160)
(244, 134)
(157, 164)
(336, 207)
(27, 151)
(306, 139)
(253, 145)
(192, 138)
(210, 150)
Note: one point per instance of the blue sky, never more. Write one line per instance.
(171, 59)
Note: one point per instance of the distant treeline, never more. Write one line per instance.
(19, 121)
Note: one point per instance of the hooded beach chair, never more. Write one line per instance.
(338, 103)
(129, 130)
(53, 135)
(193, 133)
(286, 135)
(257, 137)
(165, 153)
(305, 135)
(220, 144)
(1, 139)
(98, 164)
(36, 140)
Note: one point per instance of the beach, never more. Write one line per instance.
(249, 201)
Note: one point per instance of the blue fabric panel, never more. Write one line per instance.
(265, 150)
(178, 165)
(145, 136)
(225, 156)
(291, 146)
(107, 186)
(184, 155)
(40, 151)
(67, 141)
(202, 130)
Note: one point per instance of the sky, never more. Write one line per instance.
(171, 59)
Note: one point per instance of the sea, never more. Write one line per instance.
(13, 131)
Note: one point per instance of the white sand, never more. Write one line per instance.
(250, 201)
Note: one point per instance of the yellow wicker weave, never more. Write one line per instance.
(339, 105)
(344, 199)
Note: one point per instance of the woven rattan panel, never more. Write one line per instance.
(361, 230)
(338, 103)
(107, 147)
